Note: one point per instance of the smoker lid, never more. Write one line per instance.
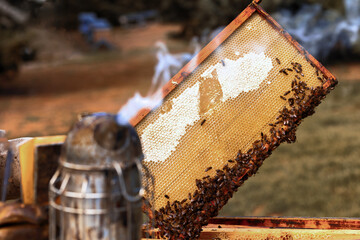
(97, 140)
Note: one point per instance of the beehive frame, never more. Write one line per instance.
(182, 174)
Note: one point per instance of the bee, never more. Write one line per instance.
(283, 71)
(282, 97)
(202, 122)
(208, 169)
(291, 101)
(167, 196)
(278, 61)
(223, 63)
(286, 93)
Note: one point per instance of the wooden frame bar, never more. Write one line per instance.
(290, 222)
(276, 228)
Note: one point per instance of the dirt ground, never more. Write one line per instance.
(47, 96)
(69, 78)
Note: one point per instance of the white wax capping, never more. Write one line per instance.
(160, 138)
(242, 75)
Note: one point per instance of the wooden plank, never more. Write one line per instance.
(47, 161)
(50, 140)
(26, 158)
(29, 166)
(213, 232)
(293, 222)
(276, 233)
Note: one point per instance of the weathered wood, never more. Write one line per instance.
(276, 233)
(24, 231)
(292, 222)
(279, 228)
(47, 159)
(29, 165)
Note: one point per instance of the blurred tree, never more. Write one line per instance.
(13, 38)
(194, 15)
(198, 16)
(68, 10)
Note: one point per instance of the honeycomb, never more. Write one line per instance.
(221, 107)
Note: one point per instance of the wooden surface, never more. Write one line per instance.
(231, 232)
(290, 222)
(29, 166)
(47, 161)
(280, 228)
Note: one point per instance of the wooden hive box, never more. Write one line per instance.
(278, 228)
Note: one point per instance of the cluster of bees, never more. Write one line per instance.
(184, 219)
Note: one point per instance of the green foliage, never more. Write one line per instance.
(319, 175)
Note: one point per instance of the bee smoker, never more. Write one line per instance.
(96, 191)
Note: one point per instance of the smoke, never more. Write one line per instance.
(321, 31)
(168, 65)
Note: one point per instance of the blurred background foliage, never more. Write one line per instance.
(196, 18)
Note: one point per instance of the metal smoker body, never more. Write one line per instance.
(96, 191)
